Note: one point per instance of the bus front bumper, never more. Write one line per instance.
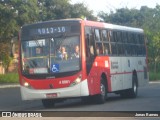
(78, 90)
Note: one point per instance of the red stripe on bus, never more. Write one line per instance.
(117, 73)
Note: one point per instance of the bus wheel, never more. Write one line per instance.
(101, 98)
(48, 103)
(134, 90)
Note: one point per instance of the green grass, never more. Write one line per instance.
(9, 78)
(154, 76)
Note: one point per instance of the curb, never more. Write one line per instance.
(152, 82)
(9, 85)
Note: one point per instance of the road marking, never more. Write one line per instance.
(9, 85)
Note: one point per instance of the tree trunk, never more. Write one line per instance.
(155, 70)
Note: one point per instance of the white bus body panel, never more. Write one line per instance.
(121, 70)
(78, 90)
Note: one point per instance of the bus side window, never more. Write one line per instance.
(124, 37)
(114, 48)
(97, 35)
(90, 48)
(119, 36)
(111, 36)
(105, 35)
(120, 49)
(106, 49)
(99, 48)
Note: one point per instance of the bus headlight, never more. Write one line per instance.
(77, 80)
(26, 84)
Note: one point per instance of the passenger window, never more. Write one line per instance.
(111, 36)
(124, 37)
(105, 35)
(106, 49)
(136, 39)
(120, 49)
(115, 36)
(99, 48)
(141, 39)
(119, 37)
(97, 35)
(129, 38)
(114, 48)
(133, 48)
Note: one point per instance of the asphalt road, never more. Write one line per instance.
(148, 100)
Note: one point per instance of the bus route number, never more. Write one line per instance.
(51, 30)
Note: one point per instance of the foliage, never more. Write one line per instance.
(5, 57)
(16, 13)
(28, 11)
(9, 78)
(79, 10)
(7, 22)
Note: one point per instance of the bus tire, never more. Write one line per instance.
(101, 98)
(48, 103)
(134, 90)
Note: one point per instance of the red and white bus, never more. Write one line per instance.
(110, 59)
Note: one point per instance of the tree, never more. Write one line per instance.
(79, 10)
(152, 30)
(28, 11)
(123, 16)
(7, 22)
(8, 29)
(5, 57)
(62, 9)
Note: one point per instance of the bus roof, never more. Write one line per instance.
(94, 24)
(53, 21)
(106, 25)
(113, 26)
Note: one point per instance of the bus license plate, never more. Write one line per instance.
(51, 95)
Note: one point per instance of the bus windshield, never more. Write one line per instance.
(51, 55)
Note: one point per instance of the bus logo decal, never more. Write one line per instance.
(55, 68)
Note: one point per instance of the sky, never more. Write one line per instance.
(107, 5)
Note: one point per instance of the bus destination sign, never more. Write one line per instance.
(49, 30)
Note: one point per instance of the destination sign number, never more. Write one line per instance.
(49, 30)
